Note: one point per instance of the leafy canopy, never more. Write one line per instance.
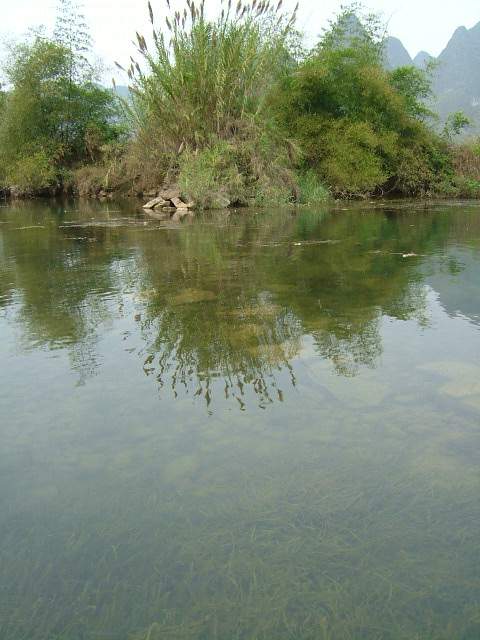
(54, 114)
(352, 119)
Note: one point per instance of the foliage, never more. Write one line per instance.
(355, 29)
(415, 87)
(310, 190)
(72, 33)
(253, 171)
(232, 107)
(358, 126)
(210, 177)
(53, 112)
(201, 107)
(466, 159)
(466, 187)
(456, 123)
(206, 77)
(32, 173)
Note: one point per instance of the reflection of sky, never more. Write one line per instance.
(411, 359)
(457, 281)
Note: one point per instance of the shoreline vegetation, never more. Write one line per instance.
(229, 110)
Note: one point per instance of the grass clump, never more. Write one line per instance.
(207, 78)
(311, 190)
(210, 177)
(205, 98)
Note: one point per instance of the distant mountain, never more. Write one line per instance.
(423, 59)
(395, 54)
(456, 78)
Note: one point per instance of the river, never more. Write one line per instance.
(256, 426)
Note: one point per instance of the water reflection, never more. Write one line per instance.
(342, 502)
(224, 304)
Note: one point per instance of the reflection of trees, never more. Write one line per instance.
(63, 277)
(205, 349)
(341, 290)
(210, 326)
(245, 294)
(223, 303)
(6, 278)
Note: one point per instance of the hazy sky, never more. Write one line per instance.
(420, 24)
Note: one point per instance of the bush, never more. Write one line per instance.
(32, 173)
(352, 162)
(239, 172)
(466, 160)
(54, 115)
(207, 77)
(211, 178)
(360, 128)
(466, 187)
(311, 190)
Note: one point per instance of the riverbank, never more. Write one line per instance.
(233, 112)
(165, 200)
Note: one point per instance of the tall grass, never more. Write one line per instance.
(204, 79)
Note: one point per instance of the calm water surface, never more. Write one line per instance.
(264, 426)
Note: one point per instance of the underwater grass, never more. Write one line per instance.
(247, 554)
(322, 516)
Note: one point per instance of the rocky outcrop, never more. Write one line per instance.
(157, 203)
(167, 204)
(168, 201)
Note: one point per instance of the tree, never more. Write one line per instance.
(54, 115)
(352, 119)
(72, 33)
(415, 87)
(456, 123)
(29, 132)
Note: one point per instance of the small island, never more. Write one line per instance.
(233, 110)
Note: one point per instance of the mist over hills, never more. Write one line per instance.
(456, 76)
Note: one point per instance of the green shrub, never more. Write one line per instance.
(238, 172)
(32, 173)
(207, 76)
(352, 164)
(414, 175)
(466, 187)
(360, 128)
(210, 177)
(54, 114)
(311, 190)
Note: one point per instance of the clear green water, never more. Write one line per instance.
(259, 427)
